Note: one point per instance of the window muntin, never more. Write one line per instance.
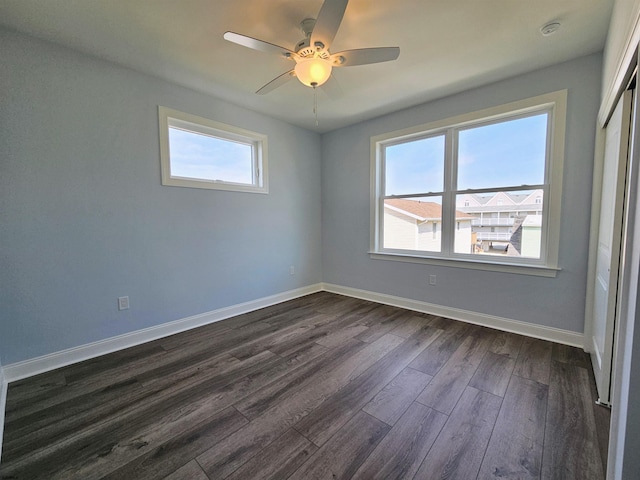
(527, 191)
(200, 153)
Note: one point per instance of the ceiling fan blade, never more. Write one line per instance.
(256, 44)
(364, 56)
(277, 82)
(328, 22)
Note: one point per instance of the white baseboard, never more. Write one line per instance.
(515, 326)
(45, 363)
(31, 367)
(3, 404)
(28, 368)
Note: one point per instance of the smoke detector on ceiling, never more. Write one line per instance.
(549, 28)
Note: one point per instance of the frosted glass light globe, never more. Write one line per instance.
(313, 72)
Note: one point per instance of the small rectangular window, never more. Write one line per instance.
(200, 153)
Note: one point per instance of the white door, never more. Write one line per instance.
(609, 244)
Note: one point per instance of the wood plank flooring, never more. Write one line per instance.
(321, 387)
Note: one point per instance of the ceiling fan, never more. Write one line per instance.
(314, 61)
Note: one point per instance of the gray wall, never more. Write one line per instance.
(556, 302)
(84, 218)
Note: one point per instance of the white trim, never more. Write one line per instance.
(620, 78)
(487, 266)
(3, 405)
(594, 231)
(552, 334)
(45, 363)
(518, 107)
(173, 118)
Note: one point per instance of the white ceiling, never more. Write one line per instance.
(446, 46)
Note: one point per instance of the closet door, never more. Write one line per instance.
(609, 244)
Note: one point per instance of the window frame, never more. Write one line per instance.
(555, 103)
(168, 118)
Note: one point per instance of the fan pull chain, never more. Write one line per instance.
(315, 103)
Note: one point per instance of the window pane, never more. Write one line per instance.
(194, 155)
(500, 223)
(509, 153)
(413, 224)
(415, 167)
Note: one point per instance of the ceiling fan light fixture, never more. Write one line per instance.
(314, 61)
(313, 72)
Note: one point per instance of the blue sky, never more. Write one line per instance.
(415, 167)
(195, 155)
(504, 154)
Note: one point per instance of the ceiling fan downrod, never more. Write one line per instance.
(307, 25)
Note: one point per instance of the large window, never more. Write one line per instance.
(200, 153)
(481, 190)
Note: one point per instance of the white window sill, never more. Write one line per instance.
(520, 269)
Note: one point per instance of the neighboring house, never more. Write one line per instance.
(497, 217)
(526, 238)
(417, 225)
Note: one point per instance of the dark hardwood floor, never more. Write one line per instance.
(323, 386)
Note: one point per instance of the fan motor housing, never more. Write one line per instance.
(305, 50)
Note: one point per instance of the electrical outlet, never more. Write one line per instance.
(432, 279)
(292, 270)
(123, 303)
